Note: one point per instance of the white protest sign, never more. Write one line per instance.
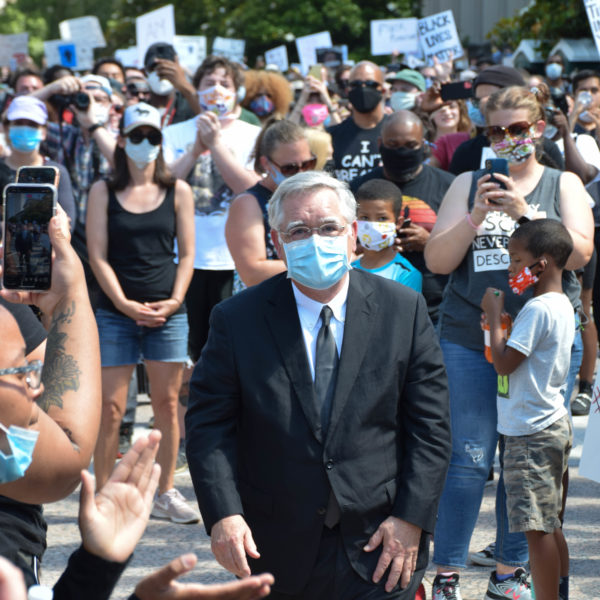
(85, 31)
(589, 465)
(231, 48)
(68, 54)
(439, 38)
(307, 48)
(128, 56)
(593, 13)
(279, 57)
(155, 26)
(13, 49)
(389, 35)
(191, 50)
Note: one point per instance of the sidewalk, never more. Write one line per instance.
(164, 541)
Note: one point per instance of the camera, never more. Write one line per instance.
(79, 100)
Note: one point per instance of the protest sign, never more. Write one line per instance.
(13, 49)
(84, 31)
(191, 50)
(389, 35)
(592, 8)
(438, 37)
(279, 57)
(68, 54)
(155, 26)
(128, 56)
(307, 48)
(589, 465)
(231, 48)
(330, 57)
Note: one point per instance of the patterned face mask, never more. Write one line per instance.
(523, 279)
(515, 149)
(375, 235)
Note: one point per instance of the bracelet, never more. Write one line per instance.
(470, 222)
(94, 127)
(180, 302)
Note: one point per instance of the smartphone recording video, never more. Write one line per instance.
(48, 175)
(27, 263)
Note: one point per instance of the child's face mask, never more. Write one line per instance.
(523, 279)
(376, 235)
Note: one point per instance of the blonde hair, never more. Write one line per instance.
(320, 145)
(514, 98)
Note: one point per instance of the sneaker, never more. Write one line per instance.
(516, 587)
(172, 505)
(580, 407)
(181, 464)
(485, 557)
(445, 587)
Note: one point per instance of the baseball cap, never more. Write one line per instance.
(140, 114)
(410, 76)
(500, 76)
(27, 107)
(158, 50)
(97, 81)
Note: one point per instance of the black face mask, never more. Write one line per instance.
(329, 167)
(400, 163)
(364, 99)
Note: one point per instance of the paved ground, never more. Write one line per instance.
(164, 541)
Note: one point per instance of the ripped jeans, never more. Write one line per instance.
(473, 384)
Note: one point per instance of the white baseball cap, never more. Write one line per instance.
(140, 114)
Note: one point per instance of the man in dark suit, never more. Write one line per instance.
(318, 426)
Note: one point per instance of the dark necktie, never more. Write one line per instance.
(326, 368)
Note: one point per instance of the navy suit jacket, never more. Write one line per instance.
(254, 440)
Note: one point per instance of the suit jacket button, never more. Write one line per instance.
(321, 510)
(329, 465)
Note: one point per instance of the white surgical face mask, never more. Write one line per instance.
(141, 154)
(100, 114)
(403, 100)
(161, 87)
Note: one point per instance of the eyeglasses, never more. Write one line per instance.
(293, 168)
(134, 90)
(496, 133)
(153, 136)
(356, 83)
(34, 368)
(303, 232)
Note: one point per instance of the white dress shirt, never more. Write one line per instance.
(309, 312)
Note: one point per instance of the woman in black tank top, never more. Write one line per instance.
(282, 150)
(132, 224)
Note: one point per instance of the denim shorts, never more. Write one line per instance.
(533, 469)
(122, 342)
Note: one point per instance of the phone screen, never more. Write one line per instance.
(27, 250)
(37, 175)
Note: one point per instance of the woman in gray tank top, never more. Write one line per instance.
(469, 242)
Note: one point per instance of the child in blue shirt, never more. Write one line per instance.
(379, 205)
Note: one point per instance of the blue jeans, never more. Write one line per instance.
(576, 358)
(473, 384)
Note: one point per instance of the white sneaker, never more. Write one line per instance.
(172, 505)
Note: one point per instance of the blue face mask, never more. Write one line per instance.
(262, 106)
(24, 138)
(276, 175)
(317, 262)
(21, 442)
(475, 115)
(553, 71)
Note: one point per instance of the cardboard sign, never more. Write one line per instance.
(155, 26)
(191, 50)
(592, 8)
(391, 35)
(85, 31)
(589, 465)
(68, 54)
(279, 57)
(13, 49)
(439, 38)
(307, 48)
(129, 57)
(231, 48)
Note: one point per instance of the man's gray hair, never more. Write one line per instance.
(302, 184)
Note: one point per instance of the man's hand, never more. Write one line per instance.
(12, 584)
(209, 129)
(173, 72)
(113, 521)
(160, 585)
(400, 541)
(412, 238)
(230, 541)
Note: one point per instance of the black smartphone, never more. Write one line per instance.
(38, 175)
(458, 90)
(496, 165)
(406, 223)
(27, 263)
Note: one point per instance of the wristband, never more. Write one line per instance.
(470, 222)
(94, 127)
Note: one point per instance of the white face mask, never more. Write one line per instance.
(100, 114)
(141, 154)
(217, 99)
(161, 87)
(375, 235)
(403, 100)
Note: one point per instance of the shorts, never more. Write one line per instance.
(533, 469)
(122, 342)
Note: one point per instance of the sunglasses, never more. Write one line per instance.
(153, 136)
(357, 83)
(293, 168)
(496, 133)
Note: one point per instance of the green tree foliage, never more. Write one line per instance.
(544, 20)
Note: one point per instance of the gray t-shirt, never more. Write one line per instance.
(530, 399)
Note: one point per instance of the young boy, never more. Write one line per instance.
(379, 206)
(532, 366)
